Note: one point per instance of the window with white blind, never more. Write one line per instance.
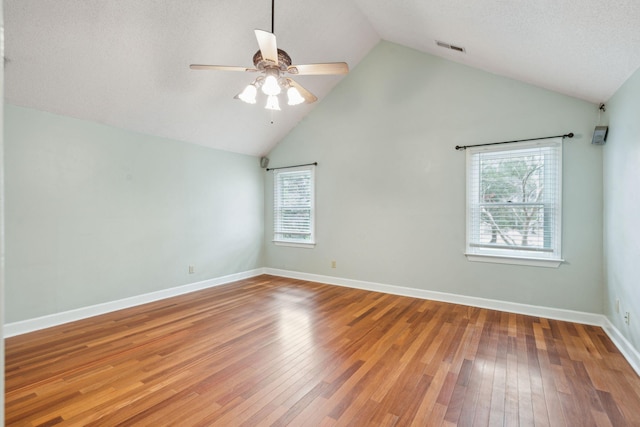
(293, 206)
(514, 203)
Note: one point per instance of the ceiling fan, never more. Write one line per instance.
(274, 65)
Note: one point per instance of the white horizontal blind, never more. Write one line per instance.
(294, 205)
(514, 199)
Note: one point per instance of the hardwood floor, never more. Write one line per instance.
(273, 351)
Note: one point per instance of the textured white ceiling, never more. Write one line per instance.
(581, 48)
(125, 63)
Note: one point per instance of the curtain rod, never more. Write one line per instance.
(294, 166)
(464, 147)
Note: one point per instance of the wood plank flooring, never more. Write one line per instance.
(272, 351)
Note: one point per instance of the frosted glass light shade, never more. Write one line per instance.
(248, 95)
(272, 103)
(271, 86)
(294, 96)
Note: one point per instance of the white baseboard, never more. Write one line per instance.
(626, 348)
(512, 307)
(30, 325)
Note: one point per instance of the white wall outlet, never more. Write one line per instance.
(192, 269)
(333, 264)
(617, 305)
(626, 318)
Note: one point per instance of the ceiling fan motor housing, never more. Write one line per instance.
(284, 61)
(273, 64)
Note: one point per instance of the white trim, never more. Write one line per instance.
(535, 262)
(511, 307)
(312, 232)
(626, 348)
(294, 244)
(30, 325)
(515, 256)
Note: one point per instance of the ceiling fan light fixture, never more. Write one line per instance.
(272, 65)
(249, 93)
(272, 103)
(271, 86)
(294, 97)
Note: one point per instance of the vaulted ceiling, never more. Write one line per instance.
(126, 63)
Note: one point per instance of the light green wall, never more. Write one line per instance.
(96, 214)
(622, 209)
(391, 188)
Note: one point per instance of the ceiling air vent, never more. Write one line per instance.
(450, 46)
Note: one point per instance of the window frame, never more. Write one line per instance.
(538, 258)
(291, 242)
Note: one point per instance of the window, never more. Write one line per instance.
(293, 206)
(514, 203)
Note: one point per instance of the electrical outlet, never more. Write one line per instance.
(617, 305)
(192, 269)
(333, 264)
(626, 317)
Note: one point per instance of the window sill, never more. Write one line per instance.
(498, 259)
(295, 244)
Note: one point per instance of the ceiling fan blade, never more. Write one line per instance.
(327, 68)
(309, 98)
(220, 67)
(268, 46)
